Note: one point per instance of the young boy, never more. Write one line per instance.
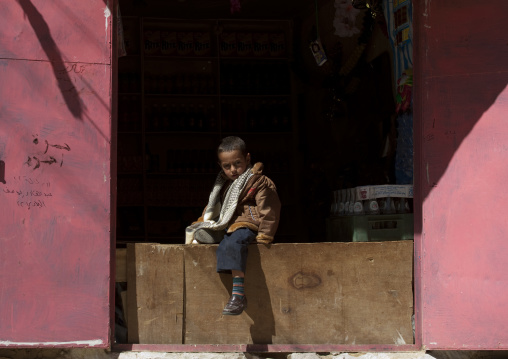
(243, 208)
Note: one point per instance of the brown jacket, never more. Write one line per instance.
(258, 207)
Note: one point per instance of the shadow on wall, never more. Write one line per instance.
(463, 71)
(41, 29)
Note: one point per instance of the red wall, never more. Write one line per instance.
(55, 141)
(461, 136)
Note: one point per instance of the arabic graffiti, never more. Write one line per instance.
(30, 180)
(60, 147)
(31, 193)
(32, 204)
(31, 198)
(36, 161)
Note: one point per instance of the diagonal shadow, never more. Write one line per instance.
(461, 90)
(41, 29)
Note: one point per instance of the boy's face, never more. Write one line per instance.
(234, 163)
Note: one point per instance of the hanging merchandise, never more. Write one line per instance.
(404, 87)
(363, 39)
(345, 19)
(315, 46)
(404, 152)
(318, 52)
(398, 15)
(235, 6)
(342, 82)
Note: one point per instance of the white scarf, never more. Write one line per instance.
(214, 208)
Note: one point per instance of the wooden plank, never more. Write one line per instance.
(132, 304)
(159, 293)
(323, 293)
(121, 265)
(206, 294)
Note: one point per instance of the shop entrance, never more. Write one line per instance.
(312, 90)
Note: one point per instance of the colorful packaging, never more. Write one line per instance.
(260, 44)
(277, 44)
(228, 44)
(244, 43)
(202, 44)
(168, 42)
(318, 52)
(185, 43)
(152, 40)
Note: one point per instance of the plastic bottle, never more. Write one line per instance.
(342, 199)
(358, 207)
(387, 205)
(372, 206)
(346, 202)
(352, 199)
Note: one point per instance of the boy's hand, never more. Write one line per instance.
(264, 239)
(200, 219)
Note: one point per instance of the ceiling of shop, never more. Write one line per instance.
(262, 9)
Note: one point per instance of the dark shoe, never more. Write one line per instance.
(235, 306)
(208, 236)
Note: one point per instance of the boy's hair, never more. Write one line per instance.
(232, 143)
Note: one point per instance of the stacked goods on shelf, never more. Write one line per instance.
(371, 213)
(255, 79)
(256, 115)
(130, 191)
(129, 113)
(129, 82)
(257, 44)
(168, 42)
(191, 161)
(130, 158)
(164, 82)
(382, 199)
(195, 116)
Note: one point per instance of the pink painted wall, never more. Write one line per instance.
(55, 144)
(461, 137)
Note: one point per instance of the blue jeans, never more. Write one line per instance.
(232, 250)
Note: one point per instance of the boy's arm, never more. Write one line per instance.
(268, 206)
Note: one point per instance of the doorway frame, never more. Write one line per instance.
(294, 348)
